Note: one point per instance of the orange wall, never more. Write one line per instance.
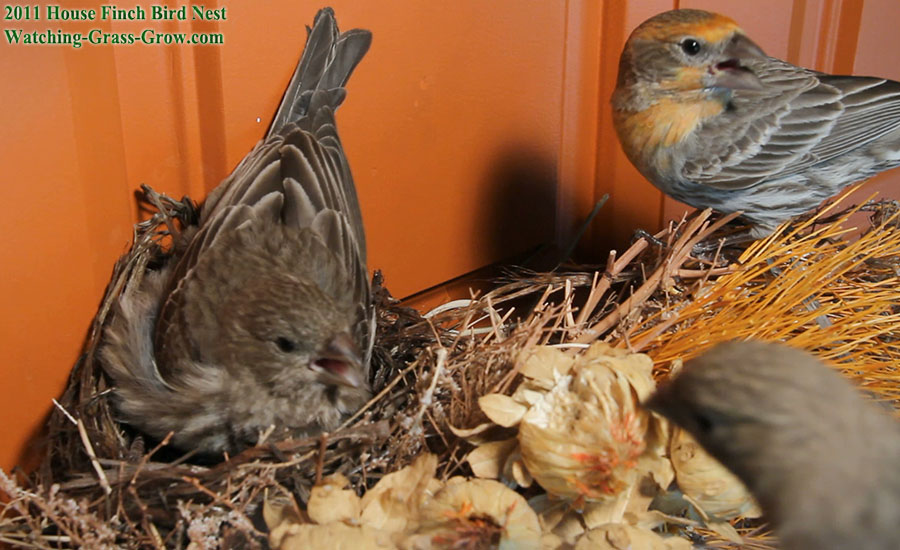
(476, 129)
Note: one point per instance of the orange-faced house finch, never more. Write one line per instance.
(823, 463)
(714, 122)
(263, 317)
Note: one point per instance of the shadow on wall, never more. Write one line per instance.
(520, 205)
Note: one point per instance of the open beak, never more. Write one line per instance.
(732, 73)
(340, 362)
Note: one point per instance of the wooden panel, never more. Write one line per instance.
(580, 119)
(452, 180)
(876, 53)
(64, 220)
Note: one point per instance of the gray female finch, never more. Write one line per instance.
(711, 120)
(822, 462)
(263, 317)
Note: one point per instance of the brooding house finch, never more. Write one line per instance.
(822, 462)
(712, 121)
(263, 315)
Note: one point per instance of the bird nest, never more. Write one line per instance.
(534, 384)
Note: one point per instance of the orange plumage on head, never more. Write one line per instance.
(711, 27)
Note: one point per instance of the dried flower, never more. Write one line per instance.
(585, 437)
(474, 514)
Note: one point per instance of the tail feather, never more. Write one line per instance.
(328, 61)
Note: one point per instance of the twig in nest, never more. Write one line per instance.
(93, 456)
(696, 230)
(427, 399)
(320, 463)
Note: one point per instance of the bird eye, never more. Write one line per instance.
(690, 46)
(285, 344)
(704, 423)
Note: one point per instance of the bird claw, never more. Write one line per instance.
(714, 245)
(707, 247)
(642, 234)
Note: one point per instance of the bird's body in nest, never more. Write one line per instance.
(262, 317)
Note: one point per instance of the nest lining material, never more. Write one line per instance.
(101, 485)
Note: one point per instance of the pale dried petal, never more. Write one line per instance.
(329, 501)
(636, 367)
(569, 527)
(558, 517)
(550, 511)
(642, 494)
(611, 510)
(551, 541)
(393, 503)
(544, 363)
(472, 513)
(625, 506)
(651, 519)
(519, 472)
(628, 537)
(502, 409)
(527, 394)
(487, 461)
(706, 482)
(277, 511)
(655, 458)
(451, 481)
(471, 434)
(333, 536)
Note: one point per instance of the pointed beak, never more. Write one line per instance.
(732, 73)
(340, 362)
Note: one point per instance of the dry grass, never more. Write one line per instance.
(808, 287)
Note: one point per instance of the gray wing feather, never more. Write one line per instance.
(871, 110)
(800, 119)
(331, 60)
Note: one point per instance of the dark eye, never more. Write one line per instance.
(703, 422)
(690, 46)
(285, 344)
